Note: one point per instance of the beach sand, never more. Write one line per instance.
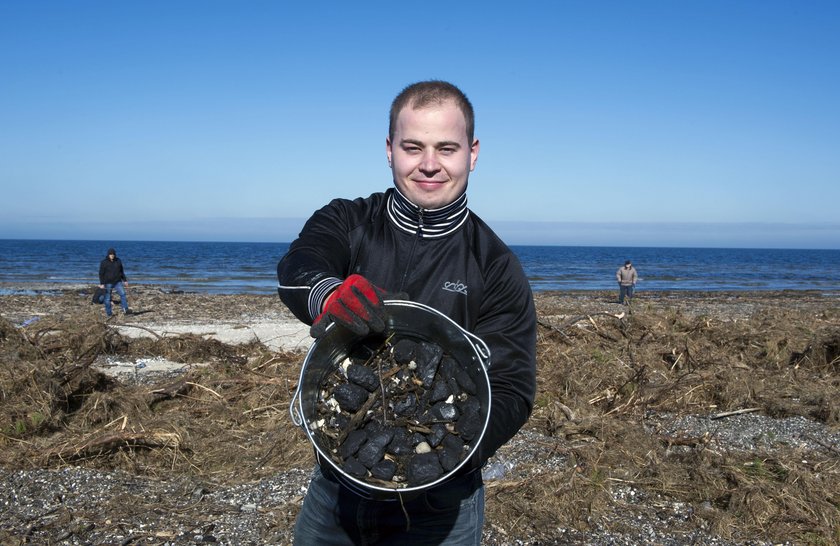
(686, 417)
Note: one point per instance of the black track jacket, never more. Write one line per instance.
(448, 259)
(111, 272)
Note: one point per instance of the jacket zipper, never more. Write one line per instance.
(410, 259)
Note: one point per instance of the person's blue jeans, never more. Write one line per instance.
(624, 292)
(118, 286)
(450, 514)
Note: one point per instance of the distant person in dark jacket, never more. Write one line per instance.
(112, 277)
(626, 277)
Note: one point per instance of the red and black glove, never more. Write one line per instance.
(356, 305)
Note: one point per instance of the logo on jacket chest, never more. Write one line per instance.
(456, 286)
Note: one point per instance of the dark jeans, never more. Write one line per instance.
(625, 292)
(332, 515)
(118, 286)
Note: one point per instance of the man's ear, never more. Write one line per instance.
(474, 154)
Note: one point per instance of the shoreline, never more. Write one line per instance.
(242, 318)
(38, 287)
(266, 302)
(48, 286)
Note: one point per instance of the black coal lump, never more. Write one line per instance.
(423, 468)
(427, 356)
(469, 423)
(352, 443)
(402, 443)
(452, 453)
(406, 405)
(404, 350)
(340, 421)
(363, 376)
(440, 391)
(449, 367)
(469, 404)
(443, 411)
(437, 435)
(374, 427)
(384, 470)
(355, 468)
(350, 397)
(454, 387)
(374, 449)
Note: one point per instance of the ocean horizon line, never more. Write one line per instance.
(530, 245)
(636, 234)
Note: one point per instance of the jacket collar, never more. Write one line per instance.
(427, 223)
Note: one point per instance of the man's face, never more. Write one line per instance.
(430, 156)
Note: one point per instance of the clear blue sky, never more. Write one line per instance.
(631, 123)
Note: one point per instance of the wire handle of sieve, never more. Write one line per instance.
(480, 348)
(297, 419)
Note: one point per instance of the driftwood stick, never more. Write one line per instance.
(566, 338)
(731, 413)
(114, 441)
(567, 411)
(208, 389)
(157, 336)
(570, 321)
(180, 387)
(358, 417)
(574, 320)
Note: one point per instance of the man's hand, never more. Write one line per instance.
(356, 305)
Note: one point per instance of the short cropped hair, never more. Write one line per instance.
(432, 92)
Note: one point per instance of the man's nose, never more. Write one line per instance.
(429, 163)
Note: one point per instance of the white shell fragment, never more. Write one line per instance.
(332, 403)
(315, 425)
(344, 365)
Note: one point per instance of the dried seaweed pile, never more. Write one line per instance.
(784, 362)
(399, 413)
(57, 408)
(602, 376)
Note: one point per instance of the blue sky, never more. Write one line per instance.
(637, 123)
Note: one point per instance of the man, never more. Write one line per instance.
(112, 277)
(626, 277)
(418, 239)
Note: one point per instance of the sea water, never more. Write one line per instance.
(231, 268)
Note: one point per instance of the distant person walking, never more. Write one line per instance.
(112, 277)
(626, 277)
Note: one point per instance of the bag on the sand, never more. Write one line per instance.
(98, 295)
